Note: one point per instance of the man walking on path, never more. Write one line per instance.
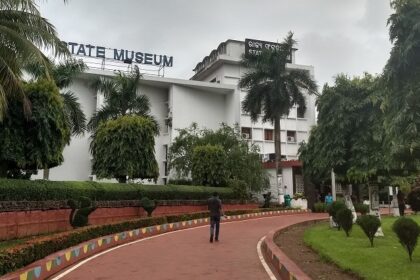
(215, 208)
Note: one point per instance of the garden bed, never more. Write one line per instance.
(386, 260)
(290, 241)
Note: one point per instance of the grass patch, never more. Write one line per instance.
(387, 260)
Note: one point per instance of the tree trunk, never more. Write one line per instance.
(46, 175)
(277, 148)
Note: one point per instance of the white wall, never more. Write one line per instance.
(206, 108)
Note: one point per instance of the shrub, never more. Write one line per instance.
(320, 207)
(240, 189)
(183, 182)
(413, 199)
(41, 190)
(345, 220)
(407, 231)
(148, 205)
(333, 209)
(80, 211)
(361, 208)
(209, 166)
(369, 225)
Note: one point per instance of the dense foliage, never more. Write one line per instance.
(333, 209)
(125, 147)
(370, 225)
(413, 199)
(361, 208)
(37, 141)
(40, 190)
(80, 211)
(148, 205)
(242, 161)
(352, 141)
(345, 220)
(408, 232)
(209, 166)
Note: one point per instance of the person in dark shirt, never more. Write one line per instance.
(215, 208)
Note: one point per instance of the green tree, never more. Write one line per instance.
(24, 33)
(402, 102)
(274, 89)
(242, 160)
(62, 75)
(37, 141)
(125, 147)
(121, 98)
(209, 166)
(349, 136)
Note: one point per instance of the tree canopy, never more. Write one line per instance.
(349, 136)
(38, 141)
(242, 160)
(25, 34)
(125, 147)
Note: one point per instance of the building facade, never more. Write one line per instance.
(209, 98)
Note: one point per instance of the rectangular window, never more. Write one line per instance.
(246, 133)
(291, 136)
(300, 112)
(268, 135)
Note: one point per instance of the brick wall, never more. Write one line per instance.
(17, 224)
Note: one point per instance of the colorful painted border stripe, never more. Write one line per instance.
(65, 258)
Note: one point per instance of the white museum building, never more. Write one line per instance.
(210, 97)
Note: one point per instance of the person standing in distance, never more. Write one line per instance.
(215, 208)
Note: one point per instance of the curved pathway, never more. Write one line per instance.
(187, 254)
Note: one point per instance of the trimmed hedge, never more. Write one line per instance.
(40, 190)
(35, 249)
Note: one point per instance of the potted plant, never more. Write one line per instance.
(299, 201)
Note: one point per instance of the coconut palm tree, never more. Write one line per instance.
(273, 88)
(121, 98)
(24, 35)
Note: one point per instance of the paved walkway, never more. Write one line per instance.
(189, 255)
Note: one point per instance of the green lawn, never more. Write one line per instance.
(386, 260)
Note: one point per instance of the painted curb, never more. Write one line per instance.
(282, 264)
(58, 261)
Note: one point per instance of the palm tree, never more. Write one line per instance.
(63, 74)
(24, 35)
(121, 98)
(273, 88)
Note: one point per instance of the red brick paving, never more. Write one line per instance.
(189, 255)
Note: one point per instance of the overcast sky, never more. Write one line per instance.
(345, 36)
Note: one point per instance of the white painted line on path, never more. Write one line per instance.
(76, 266)
(263, 262)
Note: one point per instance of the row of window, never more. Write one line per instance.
(268, 134)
